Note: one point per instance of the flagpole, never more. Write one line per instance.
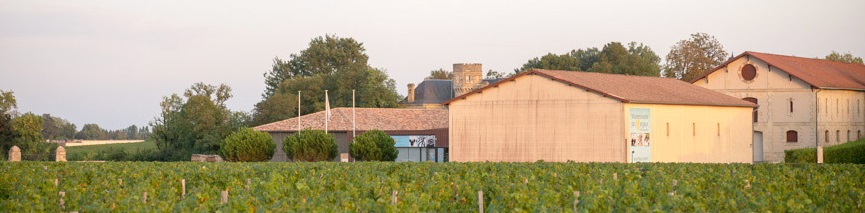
(353, 117)
(298, 110)
(326, 111)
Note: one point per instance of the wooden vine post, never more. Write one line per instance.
(224, 197)
(481, 201)
(183, 190)
(576, 199)
(393, 198)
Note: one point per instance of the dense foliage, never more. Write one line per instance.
(331, 63)
(310, 146)
(846, 58)
(373, 145)
(194, 125)
(248, 145)
(431, 187)
(689, 59)
(850, 152)
(615, 58)
(141, 151)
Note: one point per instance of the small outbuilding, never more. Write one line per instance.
(420, 134)
(592, 117)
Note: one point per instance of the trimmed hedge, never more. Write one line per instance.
(850, 152)
(310, 146)
(248, 145)
(373, 145)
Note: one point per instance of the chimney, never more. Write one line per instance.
(410, 97)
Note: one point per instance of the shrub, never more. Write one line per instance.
(248, 145)
(850, 152)
(310, 146)
(373, 145)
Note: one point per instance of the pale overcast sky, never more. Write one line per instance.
(110, 62)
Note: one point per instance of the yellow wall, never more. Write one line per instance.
(535, 118)
(722, 134)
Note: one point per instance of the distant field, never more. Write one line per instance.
(98, 152)
(100, 142)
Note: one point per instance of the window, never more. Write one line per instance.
(837, 111)
(668, 129)
(754, 114)
(837, 135)
(792, 136)
(719, 129)
(791, 105)
(848, 135)
(826, 136)
(468, 79)
(749, 72)
(694, 129)
(847, 109)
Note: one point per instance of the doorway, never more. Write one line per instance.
(757, 146)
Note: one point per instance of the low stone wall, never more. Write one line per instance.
(206, 158)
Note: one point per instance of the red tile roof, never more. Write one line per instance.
(367, 119)
(633, 89)
(819, 73)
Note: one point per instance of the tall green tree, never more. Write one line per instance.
(691, 58)
(440, 74)
(92, 132)
(7, 134)
(56, 128)
(846, 58)
(495, 74)
(331, 63)
(30, 140)
(195, 123)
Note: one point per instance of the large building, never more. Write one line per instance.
(591, 117)
(420, 134)
(431, 93)
(803, 102)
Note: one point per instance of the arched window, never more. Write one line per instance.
(754, 114)
(848, 135)
(837, 135)
(826, 136)
(792, 136)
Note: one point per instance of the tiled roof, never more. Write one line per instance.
(823, 74)
(433, 91)
(634, 89)
(367, 119)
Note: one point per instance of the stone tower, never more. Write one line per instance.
(466, 76)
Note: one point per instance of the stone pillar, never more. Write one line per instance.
(15, 154)
(61, 154)
(410, 95)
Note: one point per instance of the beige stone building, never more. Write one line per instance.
(431, 93)
(803, 102)
(592, 117)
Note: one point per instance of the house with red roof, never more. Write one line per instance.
(563, 116)
(802, 102)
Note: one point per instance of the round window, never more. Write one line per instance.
(749, 72)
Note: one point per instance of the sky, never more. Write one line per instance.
(111, 62)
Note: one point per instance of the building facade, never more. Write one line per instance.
(803, 102)
(420, 134)
(591, 117)
(431, 93)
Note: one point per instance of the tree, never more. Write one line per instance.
(92, 132)
(846, 58)
(440, 74)
(338, 65)
(248, 145)
(7, 102)
(615, 58)
(495, 74)
(373, 145)
(310, 146)
(56, 128)
(7, 134)
(196, 124)
(30, 140)
(690, 59)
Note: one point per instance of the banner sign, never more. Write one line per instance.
(639, 140)
(414, 140)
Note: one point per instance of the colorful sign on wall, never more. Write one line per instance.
(639, 139)
(414, 140)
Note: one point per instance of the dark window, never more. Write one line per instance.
(826, 136)
(837, 135)
(848, 135)
(791, 105)
(749, 72)
(754, 114)
(792, 136)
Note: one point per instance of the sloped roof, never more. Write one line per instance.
(634, 89)
(433, 91)
(819, 73)
(367, 119)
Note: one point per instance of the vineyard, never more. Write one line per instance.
(439, 187)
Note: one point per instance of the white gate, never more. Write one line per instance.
(757, 146)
